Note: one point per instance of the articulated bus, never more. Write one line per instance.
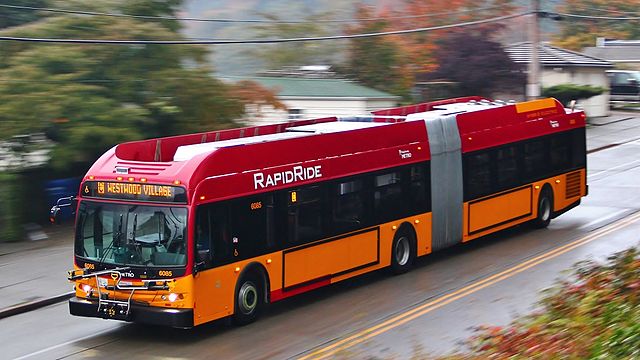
(184, 230)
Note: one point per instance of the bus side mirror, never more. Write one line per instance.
(54, 215)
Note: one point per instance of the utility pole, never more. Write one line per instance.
(533, 80)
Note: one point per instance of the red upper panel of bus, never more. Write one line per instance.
(339, 153)
(231, 170)
(483, 123)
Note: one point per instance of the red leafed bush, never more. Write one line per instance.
(594, 314)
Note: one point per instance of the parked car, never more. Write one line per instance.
(624, 85)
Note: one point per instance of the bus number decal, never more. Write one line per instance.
(89, 266)
(256, 205)
(165, 273)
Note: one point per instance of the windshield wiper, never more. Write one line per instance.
(114, 242)
(135, 225)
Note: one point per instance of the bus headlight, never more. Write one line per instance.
(87, 289)
(172, 297)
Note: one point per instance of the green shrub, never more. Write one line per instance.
(567, 92)
(10, 210)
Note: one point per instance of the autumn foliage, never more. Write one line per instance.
(420, 47)
(577, 34)
(594, 315)
(394, 63)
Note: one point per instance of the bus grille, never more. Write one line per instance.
(573, 185)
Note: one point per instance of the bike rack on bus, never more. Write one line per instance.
(116, 276)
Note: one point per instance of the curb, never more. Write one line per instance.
(595, 123)
(34, 305)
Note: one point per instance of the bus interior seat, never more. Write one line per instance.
(162, 258)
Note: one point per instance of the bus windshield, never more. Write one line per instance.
(131, 235)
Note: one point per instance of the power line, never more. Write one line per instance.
(223, 20)
(607, 10)
(80, 81)
(89, 81)
(590, 17)
(260, 41)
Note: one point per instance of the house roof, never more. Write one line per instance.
(615, 53)
(551, 56)
(327, 88)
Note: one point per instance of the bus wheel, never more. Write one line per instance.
(545, 209)
(248, 300)
(403, 251)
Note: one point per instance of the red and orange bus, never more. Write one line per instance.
(184, 230)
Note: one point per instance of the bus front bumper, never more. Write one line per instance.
(178, 318)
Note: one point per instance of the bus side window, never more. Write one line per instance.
(535, 160)
(477, 175)
(203, 234)
(507, 166)
(561, 152)
(347, 206)
(578, 151)
(387, 196)
(220, 234)
(419, 193)
(305, 215)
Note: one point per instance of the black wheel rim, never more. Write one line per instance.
(248, 298)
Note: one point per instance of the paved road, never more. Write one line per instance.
(430, 309)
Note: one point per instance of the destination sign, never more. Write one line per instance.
(134, 191)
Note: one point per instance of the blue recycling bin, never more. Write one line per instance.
(59, 188)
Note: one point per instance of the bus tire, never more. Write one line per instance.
(545, 208)
(403, 250)
(248, 299)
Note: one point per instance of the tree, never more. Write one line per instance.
(376, 61)
(478, 64)
(280, 55)
(13, 17)
(420, 48)
(393, 63)
(577, 34)
(88, 98)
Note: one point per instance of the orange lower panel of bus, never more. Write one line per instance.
(306, 267)
(512, 207)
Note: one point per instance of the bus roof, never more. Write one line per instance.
(187, 152)
(332, 127)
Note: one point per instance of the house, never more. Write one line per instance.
(622, 53)
(561, 66)
(308, 97)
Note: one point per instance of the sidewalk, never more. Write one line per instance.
(618, 128)
(33, 271)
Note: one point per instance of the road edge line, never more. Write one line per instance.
(357, 337)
